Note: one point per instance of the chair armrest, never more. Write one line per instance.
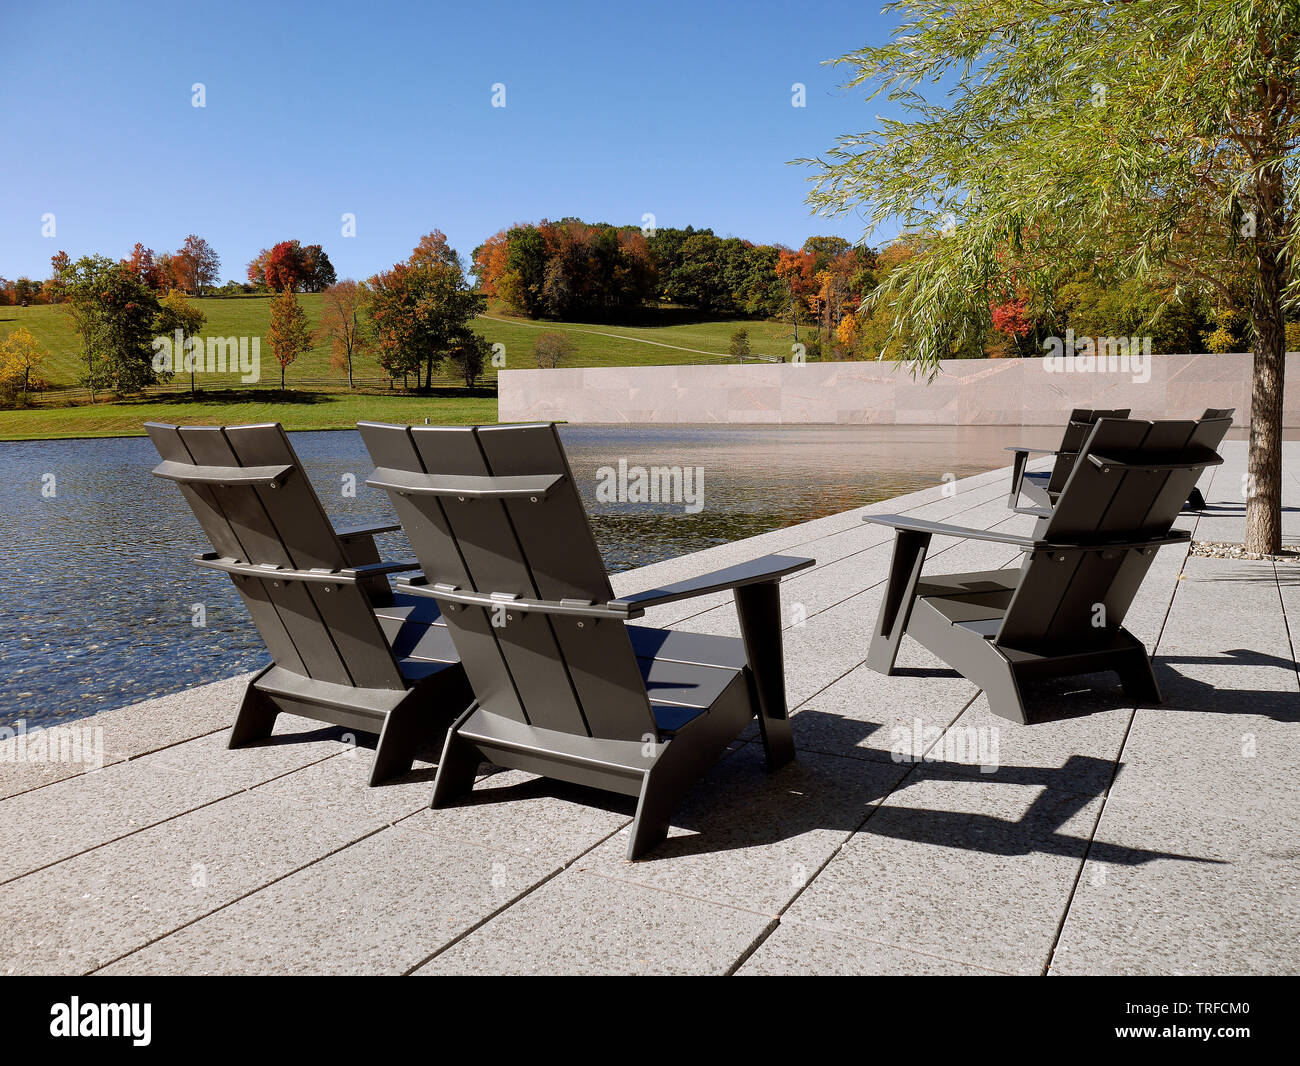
(1031, 451)
(191, 474)
(366, 529)
(919, 525)
(397, 566)
(465, 487)
(419, 586)
(756, 571)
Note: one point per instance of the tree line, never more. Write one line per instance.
(576, 270)
(827, 288)
(415, 318)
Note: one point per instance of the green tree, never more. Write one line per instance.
(525, 269)
(419, 309)
(738, 348)
(1096, 307)
(1155, 135)
(469, 353)
(288, 334)
(79, 283)
(113, 311)
(20, 358)
(181, 320)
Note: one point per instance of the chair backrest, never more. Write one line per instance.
(251, 496)
(457, 491)
(1130, 481)
(1082, 419)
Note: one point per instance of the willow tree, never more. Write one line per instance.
(1155, 138)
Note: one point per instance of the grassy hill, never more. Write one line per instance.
(595, 345)
(318, 397)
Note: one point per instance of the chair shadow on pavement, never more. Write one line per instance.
(1184, 693)
(739, 806)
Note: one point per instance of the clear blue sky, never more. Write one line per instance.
(384, 110)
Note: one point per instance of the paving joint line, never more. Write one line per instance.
(163, 821)
(238, 899)
(762, 938)
(117, 762)
(1115, 766)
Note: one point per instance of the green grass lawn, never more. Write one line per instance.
(322, 400)
(319, 410)
(595, 345)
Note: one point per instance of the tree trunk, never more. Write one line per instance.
(282, 378)
(1264, 480)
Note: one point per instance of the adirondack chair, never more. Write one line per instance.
(1043, 486)
(1223, 416)
(564, 687)
(1061, 612)
(345, 649)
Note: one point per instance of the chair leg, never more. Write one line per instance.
(1195, 501)
(904, 573)
(457, 767)
(405, 727)
(1138, 677)
(650, 826)
(680, 763)
(759, 608)
(256, 717)
(1017, 478)
(1002, 690)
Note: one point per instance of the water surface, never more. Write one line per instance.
(97, 590)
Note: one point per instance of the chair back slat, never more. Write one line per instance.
(323, 631)
(545, 670)
(201, 498)
(292, 600)
(212, 519)
(1134, 509)
(1083, 509)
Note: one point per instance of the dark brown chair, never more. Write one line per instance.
(1061, 612)
(563, 686)
(345, 649)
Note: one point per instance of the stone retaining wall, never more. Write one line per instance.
(966, 392)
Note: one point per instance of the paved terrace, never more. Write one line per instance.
(1109, 839)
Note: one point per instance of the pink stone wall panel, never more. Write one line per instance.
(966, 392)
